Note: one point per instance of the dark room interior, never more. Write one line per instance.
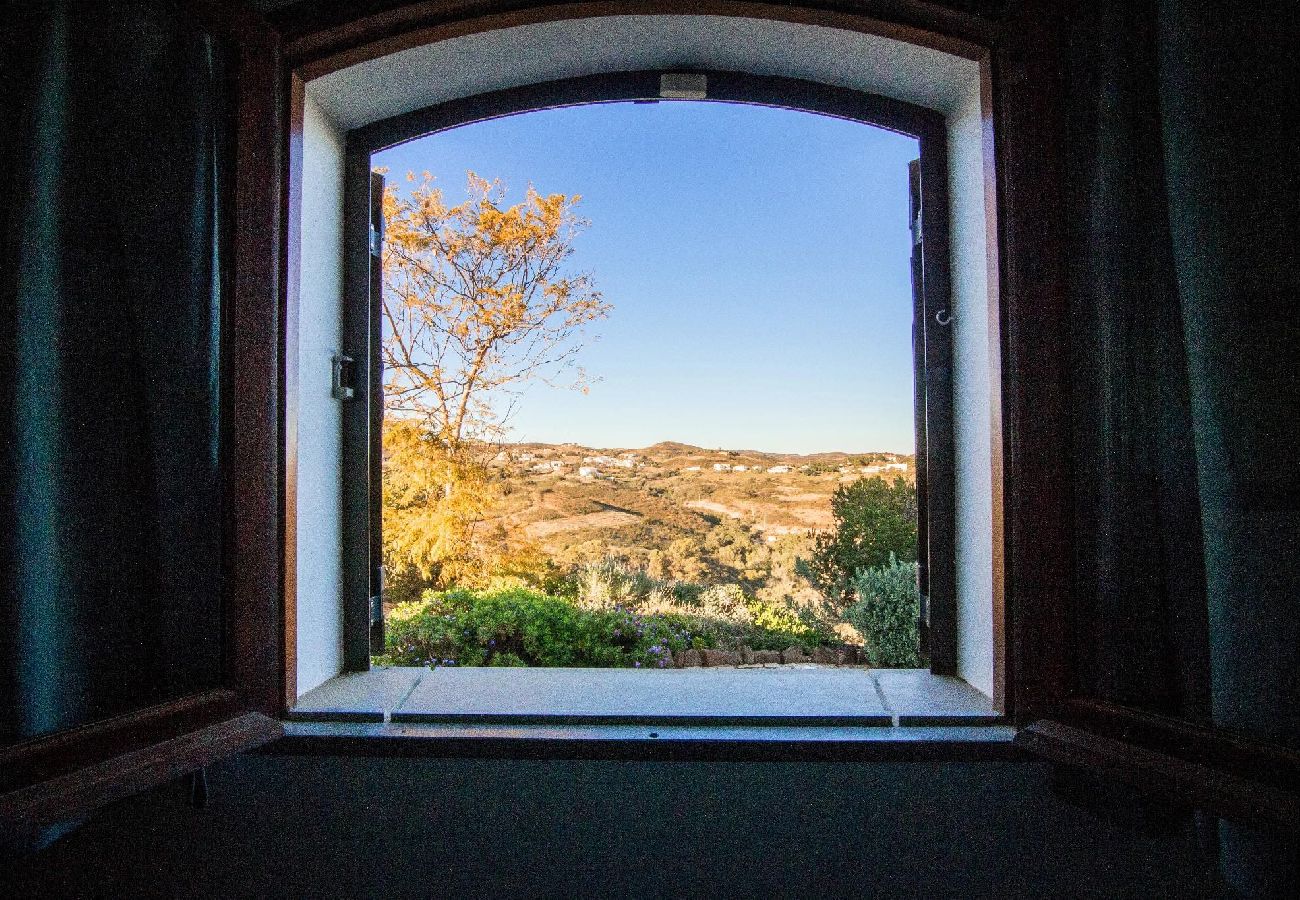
(1136, 186)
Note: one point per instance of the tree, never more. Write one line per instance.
(428, 525)
(875, 521)
(477, 303)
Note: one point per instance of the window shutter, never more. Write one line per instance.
(935, 442)
(190, 411)
(363, 217)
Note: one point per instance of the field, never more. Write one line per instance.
(678, 511)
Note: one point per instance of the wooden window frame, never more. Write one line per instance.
(933, 370)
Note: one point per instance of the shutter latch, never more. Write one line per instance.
(344, 380)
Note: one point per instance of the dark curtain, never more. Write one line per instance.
(1185, 217)
(1231, 127)
(114, 158)
(1142, 631)
(1185, 222)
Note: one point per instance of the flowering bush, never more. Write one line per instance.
(520, 627)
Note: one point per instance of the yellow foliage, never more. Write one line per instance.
(433, 498)
(477, 301)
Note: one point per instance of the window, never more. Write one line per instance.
(932, 321)
(1017, 339)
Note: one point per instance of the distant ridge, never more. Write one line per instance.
(679, 450)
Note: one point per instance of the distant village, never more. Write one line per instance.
(563, 462)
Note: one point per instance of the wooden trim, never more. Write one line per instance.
(918, 402)
(1153, 772)
(724, 87)
(375, 434)
(1036, 517)
(318, 44)
(27, 763)
(1001, 697)
(82, 790)
(292, 306)
(940, 428)
(255, 566)
(1222, 750)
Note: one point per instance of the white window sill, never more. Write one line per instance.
(799, 697)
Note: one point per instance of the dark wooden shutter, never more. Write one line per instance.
(363, 228)
(47, 777)
(936, 449)
(918, 399)
(375, 399)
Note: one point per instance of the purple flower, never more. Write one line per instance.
(637, 664)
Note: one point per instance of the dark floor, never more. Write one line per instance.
(282, 826)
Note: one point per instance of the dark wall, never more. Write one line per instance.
(330, 827)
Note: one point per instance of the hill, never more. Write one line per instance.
(678, 510)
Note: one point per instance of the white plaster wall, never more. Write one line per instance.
(527, 54)
(319, 426)
(975, 385)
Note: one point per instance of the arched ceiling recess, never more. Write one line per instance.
(467, 65)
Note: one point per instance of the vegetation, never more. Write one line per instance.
(886, 614)
(875, 522)
(476, 305)
(514, 557)
(520, 627)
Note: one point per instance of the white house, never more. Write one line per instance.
(896, 467)
(778, 470)
(721, 467)
(588, 471)
(740, 468)
(691, 469)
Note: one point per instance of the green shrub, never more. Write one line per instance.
(875, 521)
(519, 627)
(612, 583)
(886, 613)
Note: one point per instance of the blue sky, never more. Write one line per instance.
(756, 260)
